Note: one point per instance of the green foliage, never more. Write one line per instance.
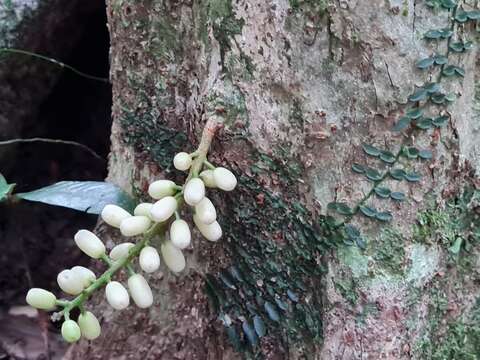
(5, 188)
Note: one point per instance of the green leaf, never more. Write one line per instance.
(225, 277)
(373, 174)
(419, 95)
(414, 113)
(425, 154)
(340, 207)
(411, 152)
(459, 71)
(413, 177)
(457, 47)
(424, 123)
(86, 196)
(467, 45)
(382, 192)
(425, 63)
(432, 87)
(292, 296)
(387, 157)
(234, 338)
(457, 246)
(461, 16)
(448, 70)
(440, 121)
(259, 326)
(440, 59)
(236, 273)
(450, 97)
(359, 169)
(397, 195)
(368, 211)
(433, 34)
(281, 304)
(249, 331)
(370, 150)
(5, 188)
(448, 4)
(271, 311)
(352, 231)
(438, 98)
(398, 174)
(384, 216)
(402, 123)
(446, 33)
(361, 243)
(473, 15)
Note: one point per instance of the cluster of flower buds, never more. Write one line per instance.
(81, 282)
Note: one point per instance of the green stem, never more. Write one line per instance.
(209, 165)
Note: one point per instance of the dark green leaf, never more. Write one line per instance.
(373, 174)
(236, 273)
(368, 211)
(271, 311)
(448, 70)
(432, 87)
(424, 123)
(425, 154)
(370, 150)
(292, 296)
(259, 326)
(225, 277)
(358, 168)
(467, 45)
(382, 192)
(413, 177)
(341, 208)
(450, 97)
(446, 33)
(87, 196)
(361, 243)
(474, 14)
(440, 59)
(461, 16)
(459, 71)
(397, 195)
(438, 98)
(425, 63)
(448, 4)
(5, 188)
(433, 34)
(398, 174)
(457, 246)
(384, 216)
(411, 152)
(440, 121)
(234, 338)
(249, 331)
(414, 113)
(281, 304)
(387, 157)
(402, 123)
(352, 231)
(419, 95)
(457, 47)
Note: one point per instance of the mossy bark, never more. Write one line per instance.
(299, 85)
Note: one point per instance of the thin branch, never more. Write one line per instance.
(52, 141)
(56, 62)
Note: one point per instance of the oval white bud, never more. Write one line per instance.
(120, 250)
(140, 291)
(143, 209)
(208, 179)
(163, 209)
(87, 275)
(180, 234)
(113, 215)
(224, 179)
(161, 188)
(172, 256)
(41, 299)
(194, 191)
(70, 282)
(89, 325)
(182, 161)
(149, 259)
(205, 211)
(117, 296)
(70, 331)
(89, 243)
(211, 232)
(135, 225)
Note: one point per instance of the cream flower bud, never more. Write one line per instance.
(143, 209)
(161, 188)
(182, 161)
(180, 234)
(224, 179)
(113, 215)
(208, 179)
(120, 250)
(205, 211)
(89, 243)
(89, 325)
(117, 295)
(135, 225)
(163, 209)
(172, 256)
(70, 282)
(85, 274)
(194, 191)
(211, 232)
(140, 291)
(70, 331)
(41, 299)
(149, 259)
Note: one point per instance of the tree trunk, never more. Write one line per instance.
(299, 86)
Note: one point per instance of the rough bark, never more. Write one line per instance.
(300, 85)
